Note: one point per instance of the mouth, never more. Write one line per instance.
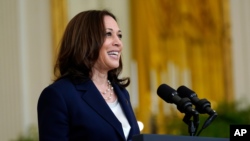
(113, 53)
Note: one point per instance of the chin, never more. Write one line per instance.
(114, 66)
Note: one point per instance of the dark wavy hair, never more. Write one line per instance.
(80, 46)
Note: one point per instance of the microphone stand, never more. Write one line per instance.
(185, 106)
(204, 106)
(192, 124)
(208, 121)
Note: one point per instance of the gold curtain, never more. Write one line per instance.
(192, 35)
(59, 21)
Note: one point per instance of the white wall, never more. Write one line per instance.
(240, 22)
(25, 62)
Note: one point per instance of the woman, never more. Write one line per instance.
(88, 101)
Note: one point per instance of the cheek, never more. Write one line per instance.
(102, 52)
(106, 42)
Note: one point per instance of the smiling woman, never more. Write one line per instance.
(88, 100)
(110, 52)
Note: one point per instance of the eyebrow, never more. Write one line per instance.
(112, 29)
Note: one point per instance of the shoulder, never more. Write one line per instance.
(58, 88)
(61, 83)
(66, 87)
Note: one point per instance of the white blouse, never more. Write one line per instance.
(117, 110)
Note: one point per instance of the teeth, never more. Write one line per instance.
(113, 53)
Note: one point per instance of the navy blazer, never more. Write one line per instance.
(74, 112)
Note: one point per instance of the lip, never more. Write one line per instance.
(114, 56)
(115, 51)
(118, 51)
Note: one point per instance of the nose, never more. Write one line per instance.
(117, 42)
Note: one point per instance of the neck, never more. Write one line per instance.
(99, 77)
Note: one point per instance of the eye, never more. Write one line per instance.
(108, 33)
(120, 36)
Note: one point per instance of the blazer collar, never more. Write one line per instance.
(95, 100)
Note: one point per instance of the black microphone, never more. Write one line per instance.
(201, 105)
(170, 95)
(184, 105)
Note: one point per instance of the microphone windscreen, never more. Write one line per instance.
(166, 92)
(184, 91)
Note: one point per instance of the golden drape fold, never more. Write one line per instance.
(59, 21)
(187, 40)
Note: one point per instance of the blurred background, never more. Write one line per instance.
(202, 44)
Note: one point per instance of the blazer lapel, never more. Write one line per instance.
(125, 104)
(96, 101)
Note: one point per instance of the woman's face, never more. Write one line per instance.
(111, 49)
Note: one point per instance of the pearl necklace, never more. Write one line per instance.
(109, 90)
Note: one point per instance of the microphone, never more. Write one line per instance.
(184, 105)
(201, 105)
(170, 95)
